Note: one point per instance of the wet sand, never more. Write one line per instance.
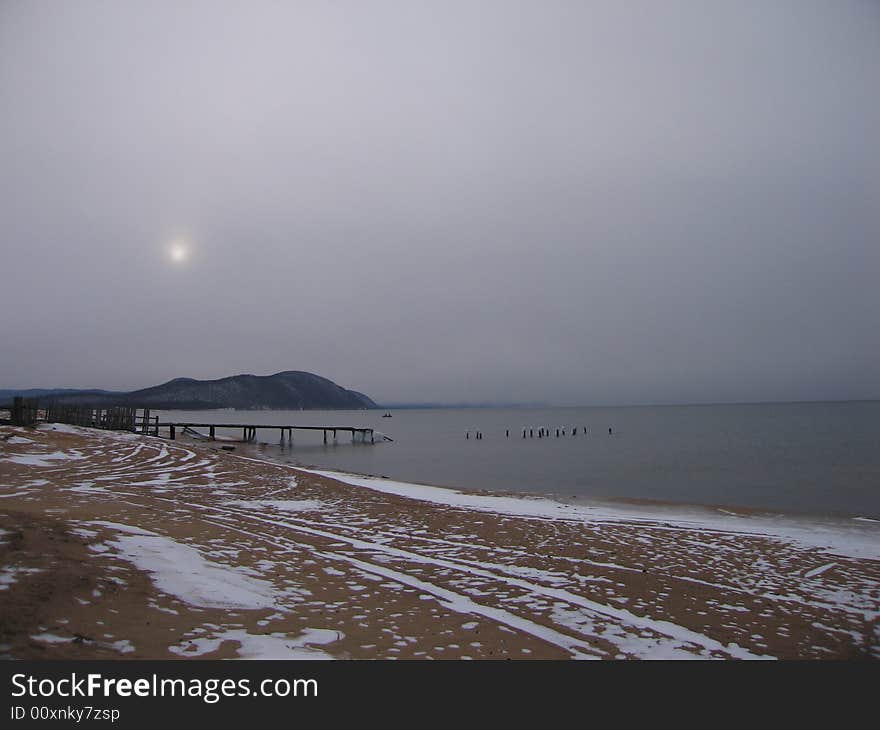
(118, 545)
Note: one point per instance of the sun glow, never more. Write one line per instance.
(178, 251)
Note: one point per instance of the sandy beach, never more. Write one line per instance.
(115, 545)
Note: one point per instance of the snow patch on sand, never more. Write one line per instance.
(86, 488)
(284, 505)
(818, 571)
(52, 638)
(19, 440)
(43, 459)
(264, 646)
(181, 571)
(123, 646)
(9, 575)
(61, 428)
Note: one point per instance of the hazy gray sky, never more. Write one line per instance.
(493, 200)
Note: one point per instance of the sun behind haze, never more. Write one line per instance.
(179, 251)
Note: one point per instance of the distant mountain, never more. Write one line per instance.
(290, 390)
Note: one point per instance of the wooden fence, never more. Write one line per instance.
(146, 424)
(24, 411)
(29, 411)
(114, 418)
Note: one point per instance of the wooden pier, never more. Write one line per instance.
(140, 420)
(249, 431)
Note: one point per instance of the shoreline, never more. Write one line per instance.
(660, 505)
(255, 451)
(214, 554)
(688, 516)
(603, 508)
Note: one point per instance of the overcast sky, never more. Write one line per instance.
(496, 200)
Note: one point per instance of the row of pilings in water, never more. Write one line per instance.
(541, 433)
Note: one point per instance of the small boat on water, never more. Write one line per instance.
(386, 415)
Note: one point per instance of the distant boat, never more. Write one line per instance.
(387, 415)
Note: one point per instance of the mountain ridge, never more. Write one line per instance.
(286, 390)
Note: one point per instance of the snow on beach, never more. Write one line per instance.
(832, 535)
(268, 560)
(181, 571)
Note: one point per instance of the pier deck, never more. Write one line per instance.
(249, 431)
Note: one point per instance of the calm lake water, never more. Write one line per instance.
(820, 458)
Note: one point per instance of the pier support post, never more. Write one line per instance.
(325, 436)
(171, 431)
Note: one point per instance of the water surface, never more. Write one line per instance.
(820, 458)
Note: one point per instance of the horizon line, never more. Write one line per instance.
(415, 405)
